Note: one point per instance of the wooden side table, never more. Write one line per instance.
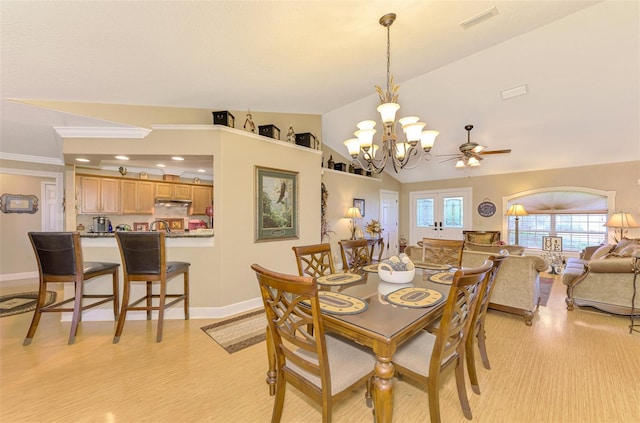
(636, 270)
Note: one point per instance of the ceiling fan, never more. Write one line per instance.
(471, 152)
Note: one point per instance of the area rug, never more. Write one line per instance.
(238, 332)
(22, 302)
(545, 289)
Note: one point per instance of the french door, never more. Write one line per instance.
(439, 214)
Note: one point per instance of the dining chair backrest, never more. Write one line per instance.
(442, 251)
(355, 254)
(457, 314)
(477, 329)
(293, 314)
(314, 260)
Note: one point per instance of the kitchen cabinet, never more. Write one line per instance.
(201, 197)
(173, 191)
(137, 197)
(99, 195)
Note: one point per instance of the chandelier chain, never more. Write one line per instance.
(389, 59)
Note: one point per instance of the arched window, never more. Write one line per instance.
(576, 214)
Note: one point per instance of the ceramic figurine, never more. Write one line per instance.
(249, 125)
(291, 135)
(330, 163)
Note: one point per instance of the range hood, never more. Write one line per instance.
(172, 202)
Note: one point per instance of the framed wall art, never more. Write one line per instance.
(141, 226)
(276, 204)
(16, 203)
(359, 204)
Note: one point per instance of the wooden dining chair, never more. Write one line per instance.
(314, 260)
(442, 251)
(372, 249)
(427, 356)
(321, 366)
(477, 330)
(355, 254)
(59, 257)
(144, 260)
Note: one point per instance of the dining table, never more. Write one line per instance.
(389, 315)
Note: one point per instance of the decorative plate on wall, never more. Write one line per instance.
(486, 208)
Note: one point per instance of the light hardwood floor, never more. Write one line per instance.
(576, 366)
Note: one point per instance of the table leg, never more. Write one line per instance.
(383, 390)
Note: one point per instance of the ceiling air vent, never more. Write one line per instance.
(475, 20)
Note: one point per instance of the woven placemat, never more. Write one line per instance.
(445, 278)
(335, 279)
(373, 268)
(415, 297)
(337, 303)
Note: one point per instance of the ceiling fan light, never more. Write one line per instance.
(388, 112)
(460, 164)
(473, 162)
(413, 131)
(478, 148)
(428, 139)
(353, 146)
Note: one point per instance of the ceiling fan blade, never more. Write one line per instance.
(448, 155)
(449, 159)
(495, 152)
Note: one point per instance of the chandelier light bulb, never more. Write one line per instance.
(353, 146)
(408, 120)
(427, 139)
(413, 132)
(365, 136)
(366, 124)
(388, 112)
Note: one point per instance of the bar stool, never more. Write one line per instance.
(144, 260)
(59, 258)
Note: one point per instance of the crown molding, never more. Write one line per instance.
(32, 159)
(101, 132)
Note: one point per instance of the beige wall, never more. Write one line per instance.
(620, 177)
(343, 188)
(16, 255)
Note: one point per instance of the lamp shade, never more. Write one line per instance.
(353, 213)
(516, 210)
(621, 220)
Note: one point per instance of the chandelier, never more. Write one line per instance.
(373, 157)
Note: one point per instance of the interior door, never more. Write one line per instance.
(389, 221)
(439, 214)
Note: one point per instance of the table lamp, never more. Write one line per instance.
(353, 213)
(516, 210)
(621, 220)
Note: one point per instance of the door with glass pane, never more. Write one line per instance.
(439, 214)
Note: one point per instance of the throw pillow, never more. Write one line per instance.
(628, 251)
(601, 252)
(623, 243)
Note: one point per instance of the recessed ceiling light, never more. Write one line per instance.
(201, 170)
(475, 20)
(122, 158)
(177, 158)
(160, 165)
(80, 159)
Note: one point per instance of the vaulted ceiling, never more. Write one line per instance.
(578, 59)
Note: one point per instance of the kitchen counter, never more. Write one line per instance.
(169, 235)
